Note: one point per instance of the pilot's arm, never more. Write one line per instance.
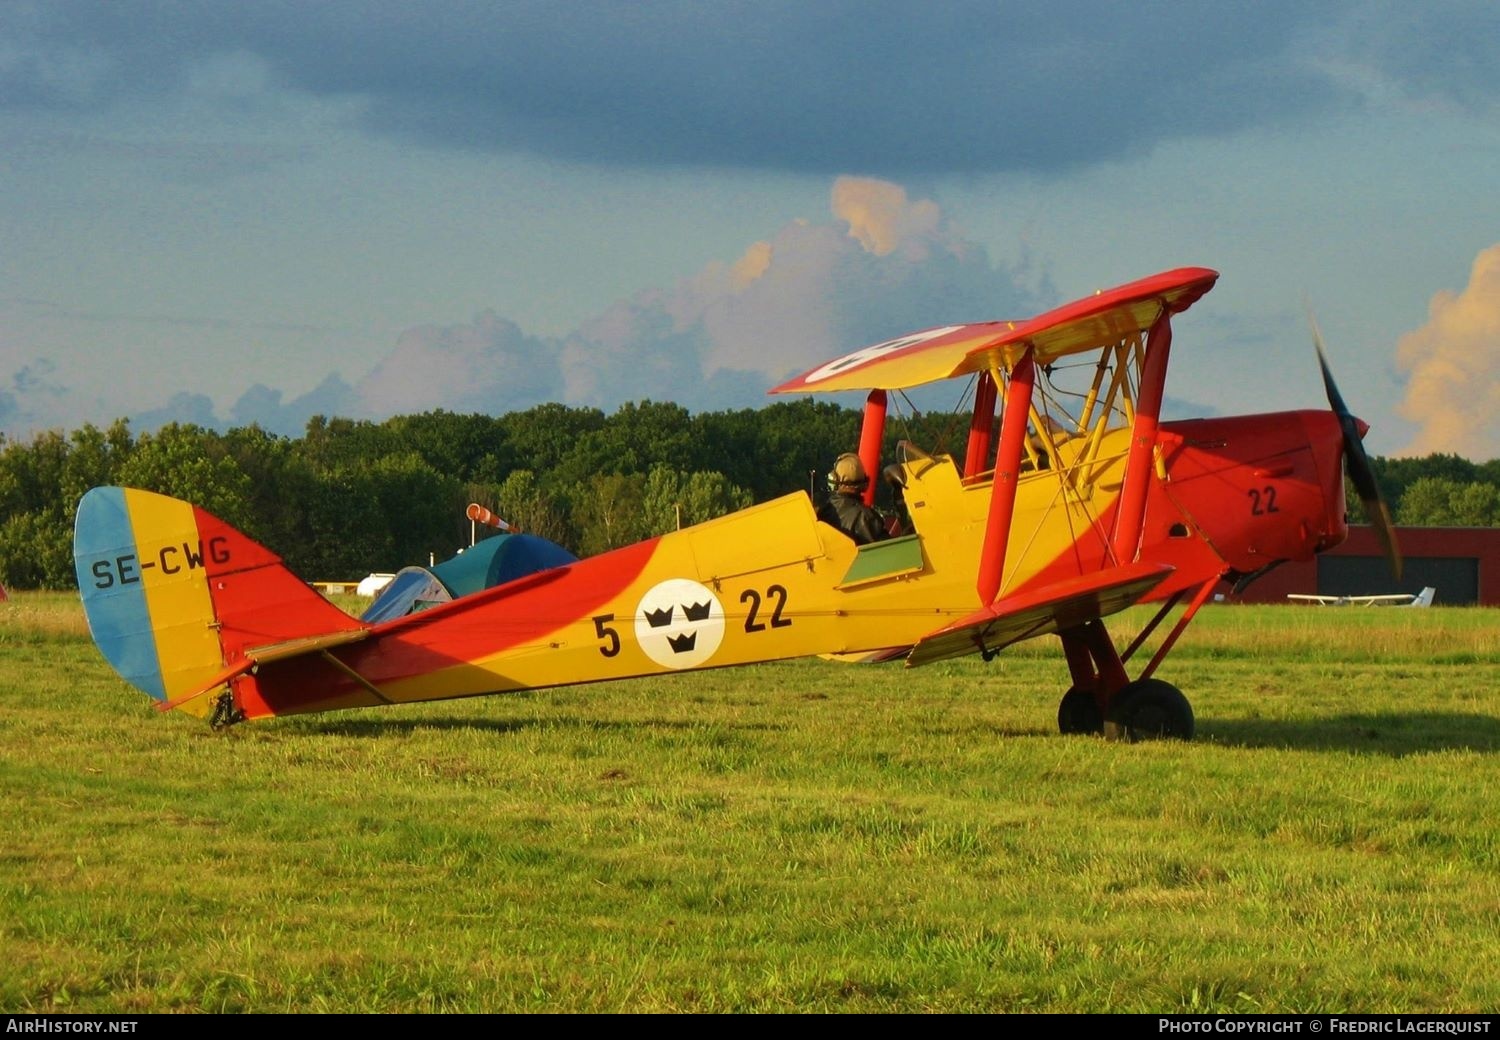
(869, 527)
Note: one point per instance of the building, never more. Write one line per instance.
(1462, 563)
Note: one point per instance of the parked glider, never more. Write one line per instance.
(1394, 599)
(1071, 501)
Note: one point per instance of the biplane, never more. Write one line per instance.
(1071, 500)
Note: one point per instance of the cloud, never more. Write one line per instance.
(33, 399)
(872, 85)
(488, 366)
(182, 407)
(881, 264)
(1416, 54)
(887, 265)
(879, 215)
(262, 406)
(634, 351)
(1453, 391)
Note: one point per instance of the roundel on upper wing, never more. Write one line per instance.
(866, 354)
(679, 623)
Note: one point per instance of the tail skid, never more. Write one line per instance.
(178, 601)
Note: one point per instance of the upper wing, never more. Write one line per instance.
(1063, 605)
(1095, 321)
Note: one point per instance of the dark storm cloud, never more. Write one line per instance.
(1443, 51)
(838, 86)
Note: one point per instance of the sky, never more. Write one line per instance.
(228, 213)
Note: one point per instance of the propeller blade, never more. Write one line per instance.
(1357, 462)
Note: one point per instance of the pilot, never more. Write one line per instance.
(845, 507)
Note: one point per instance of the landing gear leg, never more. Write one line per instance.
(1103, 699)
(1096, 670)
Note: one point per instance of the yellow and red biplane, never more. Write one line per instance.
(1070, 503)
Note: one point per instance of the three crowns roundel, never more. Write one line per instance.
(679, 623)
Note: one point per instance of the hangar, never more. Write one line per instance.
(1462, 563)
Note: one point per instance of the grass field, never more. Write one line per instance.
(795, 837)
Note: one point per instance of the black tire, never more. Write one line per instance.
(1079, 712)
(1149, 709)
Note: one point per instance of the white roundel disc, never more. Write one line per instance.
(679, 623)
(838, 366)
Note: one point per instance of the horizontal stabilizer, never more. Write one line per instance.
(264, 655)
(1050, 609)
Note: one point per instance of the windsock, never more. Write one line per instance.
(479, 514)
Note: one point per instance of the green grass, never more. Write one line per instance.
(795, 837)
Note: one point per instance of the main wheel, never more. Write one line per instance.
(1079, 712)
(1149, 709)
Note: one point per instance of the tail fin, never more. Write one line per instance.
(1423, 598)
(174, 596)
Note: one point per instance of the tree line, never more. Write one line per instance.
(352, 496)
(1436, 491)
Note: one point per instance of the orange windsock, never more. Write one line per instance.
(479, 514)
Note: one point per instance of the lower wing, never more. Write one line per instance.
(1052, 608)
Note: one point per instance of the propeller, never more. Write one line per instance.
(1356, 462)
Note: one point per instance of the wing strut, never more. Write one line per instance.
(1007, 472)
(978, 455)
(1131, 516)
(870, 436)
(1187, 615)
